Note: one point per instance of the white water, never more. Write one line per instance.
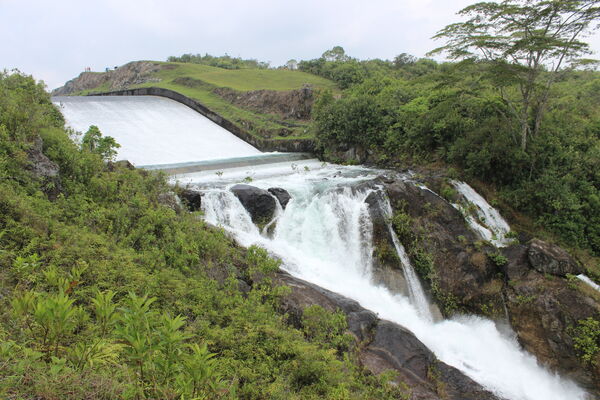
(416, 293)
(324, 237)
(490, 225)
(590, 282)
(153, 130)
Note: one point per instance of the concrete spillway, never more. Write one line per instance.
(153, 130)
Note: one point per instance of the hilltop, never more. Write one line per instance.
(267, 103)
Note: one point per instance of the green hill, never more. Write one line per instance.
(270, 113)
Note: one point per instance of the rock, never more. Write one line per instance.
(170, 200)
(543, 310)
(296, 104)
(258, 202)
(385, 345)
(133, 73)
(465, 279)
(387, 268)
(191, 198)
(517, 265)
(120, 164)
(547, 258)
(43, 169)
(282, 196)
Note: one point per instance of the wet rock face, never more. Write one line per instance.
(192, 199)
(282, 196)
(529, 288)
(551, 259)
(387, 268)
(543, 311)
(385, 345)
(259, 203)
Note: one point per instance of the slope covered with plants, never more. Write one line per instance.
(106, 292)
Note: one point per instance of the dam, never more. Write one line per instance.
(159, 133)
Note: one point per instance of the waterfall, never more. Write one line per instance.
(588, 281)
(324, 236)
(415, 289)
(486, 220)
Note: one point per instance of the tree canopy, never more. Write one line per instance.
(526, 42)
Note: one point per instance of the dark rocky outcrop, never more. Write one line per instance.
(551, 259)
(259, 203)
(462, 275)
(543, 311)
(383, 345)
(282, 196)
(525, 287)
(43, 169)
(296, 104)
(191, 198)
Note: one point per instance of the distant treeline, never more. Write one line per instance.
(226, 62)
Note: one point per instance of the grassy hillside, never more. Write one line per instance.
(199, 82)
(245, 79)
(108, 293)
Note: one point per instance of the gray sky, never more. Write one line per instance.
(54, 40)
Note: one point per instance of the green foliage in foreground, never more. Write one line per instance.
(105, 293)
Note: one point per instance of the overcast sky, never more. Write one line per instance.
(54, 40)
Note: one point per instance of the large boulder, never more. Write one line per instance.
(544, 311)
(259, 203)
(282, 196)
(550, 259)
(191, 198)
(384, 345)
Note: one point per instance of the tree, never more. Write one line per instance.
(404, 59)
(94, 142)
(526, 43)
(291, 64)
(335, 54)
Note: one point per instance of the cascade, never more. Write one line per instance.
(588, 281)
(487, 221)
(415, 289)
(324, 236)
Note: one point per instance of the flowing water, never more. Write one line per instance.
(485, 219)
(590, 282)
(324, 236)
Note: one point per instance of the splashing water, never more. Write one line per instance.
(324, 236)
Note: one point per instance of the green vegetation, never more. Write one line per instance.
(225, 61)
(462, 115)
(244, 79)
(586, 337)
(422, 260)
(105, 293)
